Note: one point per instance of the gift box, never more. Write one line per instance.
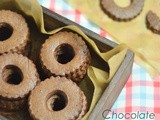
(111, 63)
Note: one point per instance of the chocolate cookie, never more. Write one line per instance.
(65, 54)
(14, 32)
(57, 98)
(122, 13)
(18, 76)
(153, 22)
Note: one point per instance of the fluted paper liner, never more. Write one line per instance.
(96, 77)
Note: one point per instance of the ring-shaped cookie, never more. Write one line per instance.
(18, 76)
(65, 54)
(123, 13)
(14, 32)
(68, 106)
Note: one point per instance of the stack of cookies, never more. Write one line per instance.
(18, 74)
(14, 33)
(64, 58)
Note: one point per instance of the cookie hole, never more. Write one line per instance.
(58, 101)
(12, 75)
(64, 53)
(5, 31)
(123, 3)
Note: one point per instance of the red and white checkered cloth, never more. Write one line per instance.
(141, 93)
